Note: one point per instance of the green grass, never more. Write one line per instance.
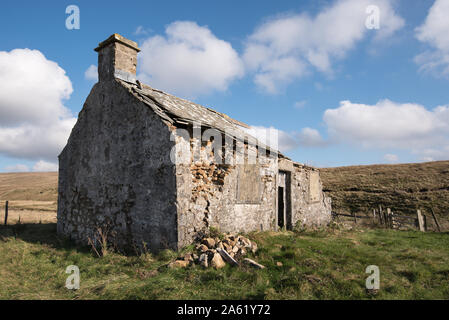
(316, 265)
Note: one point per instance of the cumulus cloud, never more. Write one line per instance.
(34, 123)
(287, 48)
(91, 73)
(44, 166)
(434, 32)
(189, 60)
(388, 124)
(309, 137)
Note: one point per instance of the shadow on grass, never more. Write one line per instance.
(38, 233)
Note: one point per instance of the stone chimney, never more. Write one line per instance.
(117, 58)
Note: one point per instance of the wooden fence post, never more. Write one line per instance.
(355, 218)
(380, 215)
(6, 213)
(393, 222)
(420, 220)
(389, 223)
(435, 218)
(374, 215)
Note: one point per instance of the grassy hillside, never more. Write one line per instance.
(326, 264)
(402, 187)
(36, 186)
(32, 196)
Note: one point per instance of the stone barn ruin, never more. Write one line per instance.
(150, 169)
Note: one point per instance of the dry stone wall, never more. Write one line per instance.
(116, 174)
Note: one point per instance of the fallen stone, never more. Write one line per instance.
(203, 260)
(279, 264)
(253, 246)
(178, 264)
(253, 263)
(227, 247)
(203, 248)
(217, 261)
(235, 249)
(242, 252)
(188, 257)
(227, 257)
(209, 242)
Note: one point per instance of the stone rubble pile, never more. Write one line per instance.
(216, 253)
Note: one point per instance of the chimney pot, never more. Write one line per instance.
(117, 58)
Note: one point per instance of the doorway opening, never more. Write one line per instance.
(281, 207)
(284, 216)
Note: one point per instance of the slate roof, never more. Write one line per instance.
(180, 111)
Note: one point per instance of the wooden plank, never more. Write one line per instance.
(6, 213)
(350, 215)
(436, 220)
(381, 215)
(388, 218)
(420, 220)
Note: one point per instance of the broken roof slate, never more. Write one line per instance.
(180, 111)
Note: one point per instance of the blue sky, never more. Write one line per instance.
(313, 56)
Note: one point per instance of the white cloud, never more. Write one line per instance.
(309, 137)
(389, 124)
(189, 60)
(288, 47)
(16, 168)
(44, 166)
(300, 104)
(275, 138)
(140, 30)
(391, 158)
(91, 73)
(434, 32)
(34, 123)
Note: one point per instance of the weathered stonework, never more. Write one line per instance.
(134, 168)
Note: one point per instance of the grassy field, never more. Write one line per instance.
(402, 187)
(315, 265)
(32, 196)
(35, 186)
(326, 264)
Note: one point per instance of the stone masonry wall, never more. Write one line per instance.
(115, 173)
(307, 209)
(207, 195)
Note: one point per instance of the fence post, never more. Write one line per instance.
(389, 222)
(393, 222)
(380, 215)
(374, 215)
(355, 218)
(420, 220)
(6, 213)
(435, 218)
